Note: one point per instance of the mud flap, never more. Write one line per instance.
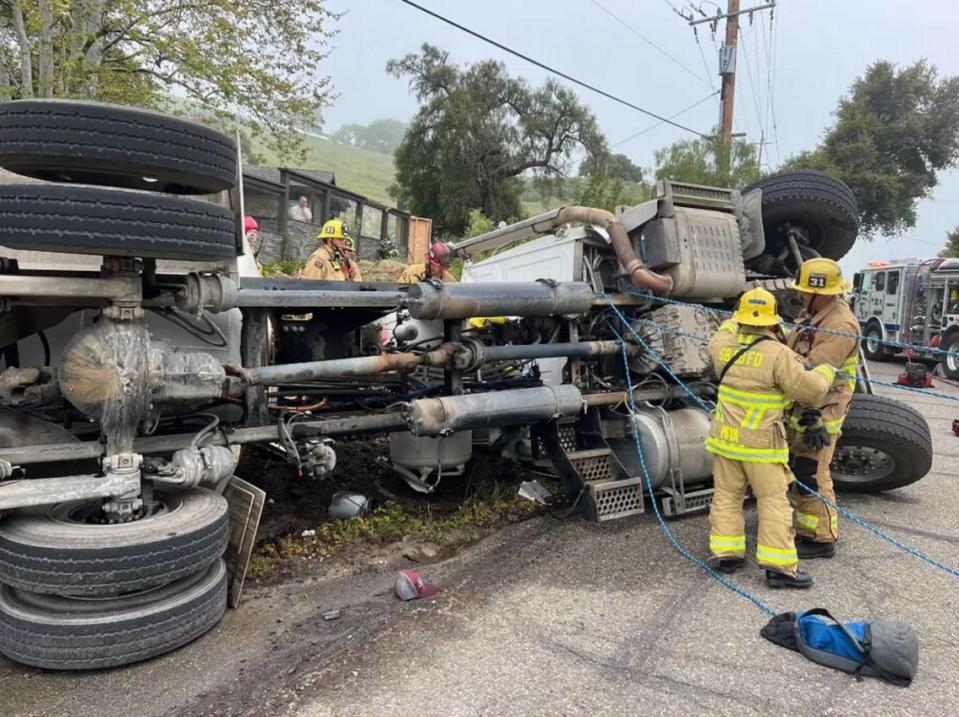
(246, 503)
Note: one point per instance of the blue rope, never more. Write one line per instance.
(880, 534)
(874, 381)
(858, 337)
(677, 546)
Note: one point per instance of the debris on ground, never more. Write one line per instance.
(410, 585)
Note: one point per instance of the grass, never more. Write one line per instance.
(493, 504)
(358, 170)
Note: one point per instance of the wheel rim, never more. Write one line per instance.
(84, 512)
(873, 342)
(861, 464)
(952, 358)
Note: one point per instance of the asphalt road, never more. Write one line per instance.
(551, 617)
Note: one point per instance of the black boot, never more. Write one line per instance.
(808, 549)
(776, 579)
(727, 565)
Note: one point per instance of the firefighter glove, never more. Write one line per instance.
(815, 436)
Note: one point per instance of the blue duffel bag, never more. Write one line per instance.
(888, 649)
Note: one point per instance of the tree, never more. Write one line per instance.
(478, 130)
(894, 131)
(253, 62)
(698, 161)
(614, 166)
(951, 249)
(381, 135)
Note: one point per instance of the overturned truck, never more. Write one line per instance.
(142, 351)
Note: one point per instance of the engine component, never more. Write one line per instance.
(673, 442)
(436, 300)
(112, 372)
(19, 386)
(317, 459)
(417, 458)
(700, 249)
(192, 467)
(447, 415)
(105, 373)
(214, 292)
(667, 332)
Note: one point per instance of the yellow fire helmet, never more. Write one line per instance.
(757, 307)
(820, 276)
(334, 229)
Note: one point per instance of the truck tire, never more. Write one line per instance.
(823, 206)
(885, 444)
(94, 143)
(61, 633)
(873, 346)
(950, 361)
(55, 551)
(119, 222)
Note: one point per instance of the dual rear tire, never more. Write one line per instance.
(78, 594)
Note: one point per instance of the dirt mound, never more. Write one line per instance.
(381, 270)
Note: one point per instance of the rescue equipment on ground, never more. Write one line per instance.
(888, 649)
(915, 374)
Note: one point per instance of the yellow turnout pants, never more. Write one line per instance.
(775, 547)
(814, 519)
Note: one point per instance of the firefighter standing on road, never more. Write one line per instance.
(758, 378)
(333, 261)
(439, 259)
(815, 426)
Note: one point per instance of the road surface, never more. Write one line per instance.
(561, 617)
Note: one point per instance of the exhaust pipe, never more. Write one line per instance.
(639, 273)
(450, 414)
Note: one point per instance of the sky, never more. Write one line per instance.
(820, 46)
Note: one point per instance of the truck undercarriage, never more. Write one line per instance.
(140, 353)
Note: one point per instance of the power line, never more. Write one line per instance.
(558, 73)
(657, 124)
(649, 42)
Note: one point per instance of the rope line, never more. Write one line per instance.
(873, 381)
(880, 534)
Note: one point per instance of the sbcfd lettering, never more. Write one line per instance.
(752, 359)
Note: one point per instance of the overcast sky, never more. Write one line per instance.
(820, 47)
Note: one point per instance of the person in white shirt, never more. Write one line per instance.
(301, 211)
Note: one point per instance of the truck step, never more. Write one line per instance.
(693, 502)
(592, 464)
(612, 499)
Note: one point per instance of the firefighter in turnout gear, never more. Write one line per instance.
(759, 377)
(815, 426)
(439, 258)
(333, 261)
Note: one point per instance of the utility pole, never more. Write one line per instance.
(727, 67)
(727, 70)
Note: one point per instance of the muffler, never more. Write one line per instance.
(449, 414)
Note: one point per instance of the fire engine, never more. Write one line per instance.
(910, 301)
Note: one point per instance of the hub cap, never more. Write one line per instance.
(861, 464)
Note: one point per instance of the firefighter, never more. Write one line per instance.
(439, 258)
(333, 260)
(758, 378)
(815, 426)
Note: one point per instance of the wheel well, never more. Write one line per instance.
(875, 322)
